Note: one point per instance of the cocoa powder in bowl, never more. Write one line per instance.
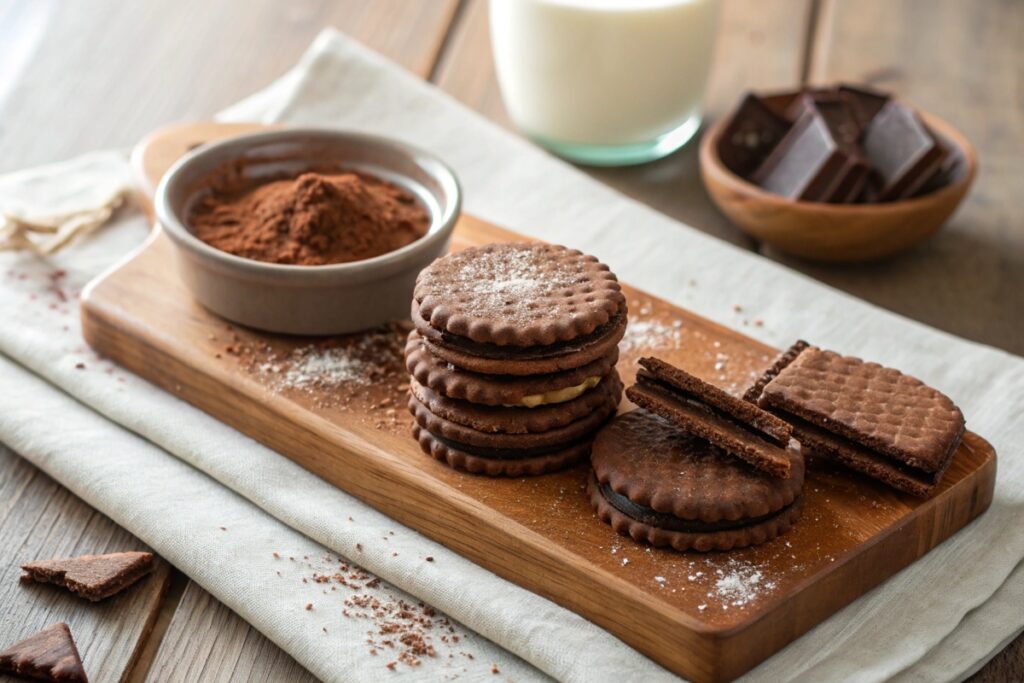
(315, 219)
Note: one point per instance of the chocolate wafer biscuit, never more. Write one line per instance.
(738, 427)
(785, 358)
(518, 294)
(495, 390)
(521, 420)
(663, 486)
(876, 420)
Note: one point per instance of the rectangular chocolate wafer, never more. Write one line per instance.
(738, 427)
(876, 420)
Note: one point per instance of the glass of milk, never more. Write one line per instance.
(604, 82)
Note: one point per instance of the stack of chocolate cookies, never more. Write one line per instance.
(512, 359)
(872, 419)
(694, 467)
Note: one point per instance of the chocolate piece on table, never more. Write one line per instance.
(872, 419)
(739, 428)
(93, 577)
(49, 655)
(901, 151)
(808, 164)
(863, 101)
(752, 132)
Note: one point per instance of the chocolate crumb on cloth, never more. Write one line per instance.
(513, 357)
(873, 419)
(93, 577)
(736, 426)
(49, 655)
(658, 484)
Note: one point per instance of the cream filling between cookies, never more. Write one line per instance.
(556, 396)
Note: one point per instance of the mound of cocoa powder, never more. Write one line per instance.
(312, 220)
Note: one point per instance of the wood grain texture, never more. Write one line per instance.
(104, 73)
(755, 48)
(962, 61)
(40, 519)
(842, 547)
(206, 641)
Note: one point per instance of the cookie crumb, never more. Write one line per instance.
(494, 669)
(309, 607)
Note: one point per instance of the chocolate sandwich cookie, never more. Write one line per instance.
(502, 390)
(519, 309)
(493, 462)
(660, 485)
(873, 419)
(737, 427)
(460, 434)
(515, 360)
(521, 419)
(513, 357)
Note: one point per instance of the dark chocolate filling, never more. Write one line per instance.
(669, 522)
(644, 378)
(816, 432)
(499, 352)
(509, 453)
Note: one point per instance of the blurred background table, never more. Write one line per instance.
(77, 76)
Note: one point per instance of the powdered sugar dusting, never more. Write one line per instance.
(651, 334)
(740, 583)
(513, 282)
(309, 367)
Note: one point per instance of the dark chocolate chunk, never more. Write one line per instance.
(901, 150)
(49, 655)
(752, 132)
(808, 164)
(863, 101)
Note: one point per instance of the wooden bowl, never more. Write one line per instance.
(838, 233)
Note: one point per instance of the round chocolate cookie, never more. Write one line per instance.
(494, 390)
(518, 294)
(659, 485)
(495, 359)
(521, 420)
(497, 463)
(468, 437)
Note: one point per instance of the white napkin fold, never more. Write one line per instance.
(937, 619)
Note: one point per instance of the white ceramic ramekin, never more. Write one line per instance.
(308, 300)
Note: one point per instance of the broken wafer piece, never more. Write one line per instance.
(49, 655)
(876, 420)
(737, 427)
(93, 577)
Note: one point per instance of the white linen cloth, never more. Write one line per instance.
(174, 476)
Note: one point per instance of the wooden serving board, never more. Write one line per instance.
(709, 617)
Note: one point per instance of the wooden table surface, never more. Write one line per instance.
(76, 76)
